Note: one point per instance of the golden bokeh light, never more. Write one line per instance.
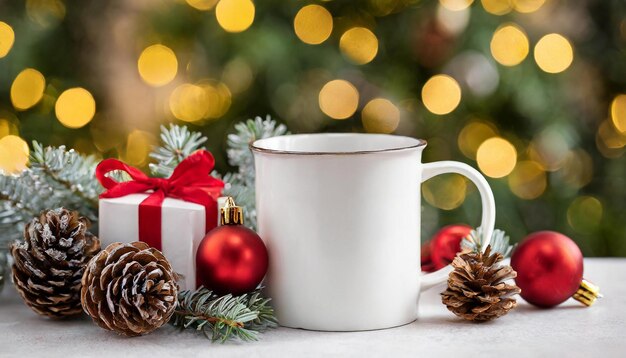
(27, 89)
(527, 6)
(577, 169)
(138, 146)
(446, 192)
(13, 154)
(528, 180)
(189, 102)
(473, 135)
(380, 116)
(313, 24)
(157, 65)
(202, 5)
(7, 127)
(237, 75)
(509, 45)
(338, 99)
(7, 38)
(456, 5)
(609, 141)
(585, 214)
(359, 44)
(219, 99)
(554, 53)
(618, 112)
(75, 107)
(235, 15)
(45, 12)
(497, 7)
(441, 94)
(496, 157)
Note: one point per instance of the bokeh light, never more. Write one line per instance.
(618, 112)
(584, 214)
(528, 180)
(27, 89)
(554, 53)
(338, 99)
(496, 157)
(497, 7)
(235, 15)
(509, 45)
(138, 146)
(7, 38)
(527, 6)
(446, 192)
(13, 154)
(359, 44)
(45, 12)
(7, 125)
(577, 169)
(313, 24)
(453, 21)
(609, 141)
(380, 116)
(157, 65)
(237, 75)
(202, 5)
(189, 102)
(549, 148)
(473, 135)
(219, 99)
(441, 94)
(456, 5)
(75, 107)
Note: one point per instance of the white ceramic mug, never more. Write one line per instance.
(340, 215)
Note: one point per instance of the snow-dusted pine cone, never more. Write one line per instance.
(49, 264)
(129, 288)
(477, 290)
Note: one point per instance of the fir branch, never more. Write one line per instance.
(499, 242)
(221, 318)
(178, 142)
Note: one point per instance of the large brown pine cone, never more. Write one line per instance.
(476, 288)
(49, 264)
(129, 288)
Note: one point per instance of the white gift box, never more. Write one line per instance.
(182, 229)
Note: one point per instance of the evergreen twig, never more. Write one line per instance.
(499, 242)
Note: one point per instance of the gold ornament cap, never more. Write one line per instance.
(230, 213)
(587, 293)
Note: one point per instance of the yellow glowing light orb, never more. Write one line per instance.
(202, 5)
(497, 7)
(380, 116)
(528, 180)
(235, 15)
(473, 135)
(189, 102)
(359, 44)
(338, 99)
(577, 170)
(157, 65)
(456, 5)
(13, 154)
(7, 38)
(584, 214)
(509, 45)
(75, 107)
(554, 53)
(618, 112)
(527, 6)
(313, 24)
(441, 94)
(496, 157)
(445, 192)
(138, 145)
(27, 89)
(218, 99)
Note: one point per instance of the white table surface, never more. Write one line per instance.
(570, 330)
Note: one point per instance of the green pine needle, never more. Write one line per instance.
(499, 242)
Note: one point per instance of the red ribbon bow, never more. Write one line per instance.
(191, 181)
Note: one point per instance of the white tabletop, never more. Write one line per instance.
(571, 329)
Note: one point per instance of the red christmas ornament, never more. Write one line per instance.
(444, 246)
(231, 258)
(549, 269)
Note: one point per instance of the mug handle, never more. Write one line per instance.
(488, 206)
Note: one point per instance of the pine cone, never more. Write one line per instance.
(49, 264)
(476, 288)
(129, 288)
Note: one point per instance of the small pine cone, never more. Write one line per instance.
(129, 288)
(49, 264)
(476, 288)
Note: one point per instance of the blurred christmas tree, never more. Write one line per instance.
(530, 91)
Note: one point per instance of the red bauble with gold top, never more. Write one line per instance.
(231, 258)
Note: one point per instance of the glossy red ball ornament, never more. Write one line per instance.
(549, 268)
(446, 243)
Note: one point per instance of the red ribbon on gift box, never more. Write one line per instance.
(191, 181)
